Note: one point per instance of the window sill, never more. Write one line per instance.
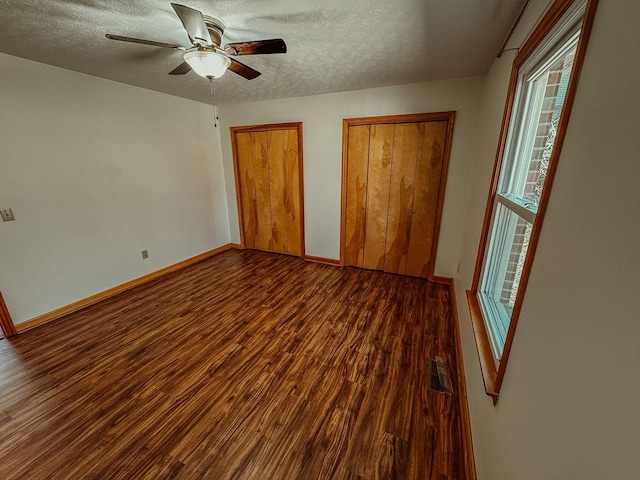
(487, 362)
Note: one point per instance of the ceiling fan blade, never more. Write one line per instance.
(193, 23)
(181, 69)
(243, 70)
(259, 47)
(143, 42)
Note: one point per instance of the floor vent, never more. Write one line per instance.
(440, 381)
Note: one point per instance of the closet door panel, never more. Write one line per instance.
(292, 205)
(378, 178)
(277, 188)
(269, 188)
(405, 144)
(358, 154)
(263, 198)
(247, 189)
(425, 204)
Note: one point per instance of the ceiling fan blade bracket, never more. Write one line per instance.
(193, 22)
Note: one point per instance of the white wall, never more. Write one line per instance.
(570, 402)
(322, 117)
(96, 171)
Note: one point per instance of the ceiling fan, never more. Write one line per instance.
(207, 57)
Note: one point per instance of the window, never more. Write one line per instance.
(543, 81)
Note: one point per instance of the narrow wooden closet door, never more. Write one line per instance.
(426, 191)
(264, 238)
(403, 166)
(379, 175)
(277, 182)
(247, 190)
(292, 192)
(356, 193)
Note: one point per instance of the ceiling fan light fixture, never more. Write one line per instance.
(207, 63)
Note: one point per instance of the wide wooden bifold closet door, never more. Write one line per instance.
(394, 170)
(268, 165)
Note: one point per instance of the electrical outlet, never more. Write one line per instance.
(7, 215)
(145, 254)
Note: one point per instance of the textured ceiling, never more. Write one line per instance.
(333, 45)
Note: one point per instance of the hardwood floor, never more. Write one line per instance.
(248, 365)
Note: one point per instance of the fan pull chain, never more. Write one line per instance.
(215, 108)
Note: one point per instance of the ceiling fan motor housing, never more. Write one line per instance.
(216, 29)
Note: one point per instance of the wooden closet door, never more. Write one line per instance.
(247, 190)
(429, 164)
(292, 192)
(264, 239)
(403, 166)
(277, 182)
(358, 153)
(379, 176)
(269, 191)
(394, 173)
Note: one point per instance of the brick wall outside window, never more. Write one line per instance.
(545, 136)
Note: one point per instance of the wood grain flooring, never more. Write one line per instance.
(248, 365)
